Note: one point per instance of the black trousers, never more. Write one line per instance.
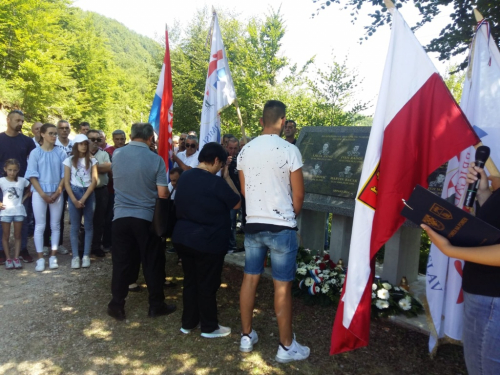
(108, 222)
(202, 279)
(46, 233)
(101, 205)
(134, 240)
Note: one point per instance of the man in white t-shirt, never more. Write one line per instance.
(187, 159)
(270, 171)
(63, 141)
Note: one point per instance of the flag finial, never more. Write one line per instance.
(478, 15)
(389, 4)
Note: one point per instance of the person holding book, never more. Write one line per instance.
(480, 283)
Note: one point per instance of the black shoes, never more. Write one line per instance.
(98, 253)
(118, 314)
(164, 309)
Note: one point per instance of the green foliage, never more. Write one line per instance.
(57, 61)
(454, 81)
(453, 39)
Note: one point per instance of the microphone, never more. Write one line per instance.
(482, 154)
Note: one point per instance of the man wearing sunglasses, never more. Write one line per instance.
(187, 159)
(182, 143)
(100, 191)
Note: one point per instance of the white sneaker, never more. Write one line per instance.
(75, 263)
(248, 341)
(187, 331)
(221, 332)
(53, 263)
(45, 251)
(85, 261)
(294, 352)
(40, 265)
(62, 250)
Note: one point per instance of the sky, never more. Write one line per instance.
(328, 36)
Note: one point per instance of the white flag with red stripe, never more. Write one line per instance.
(415, 130)
(219, 89)
(480, 103)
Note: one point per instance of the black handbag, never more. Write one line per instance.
(164, 217)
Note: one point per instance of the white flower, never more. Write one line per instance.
(301, 271)
(326, 276)
(310, 267)
(318, 261)
(383, 294)
(404, 304)
(374, 295)
(325, 289)
(374, 286)
(326, 272)
(396, 288)
(334, 273)
(387, 286)
(309, 281)
(381, 304)
(333, 282)
(308, 250)
(317, 289)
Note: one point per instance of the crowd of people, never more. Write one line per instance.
(258, 180)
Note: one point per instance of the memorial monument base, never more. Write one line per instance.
(311, 226)
(401, 256)
(340, 239)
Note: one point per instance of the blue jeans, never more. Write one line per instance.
(481, 334)
(75, 215)
(283, 246)
(24, 230)
(232, 236)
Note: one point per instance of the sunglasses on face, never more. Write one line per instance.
(95, 139)
(181, 139)
(64, 128)
(192, 145)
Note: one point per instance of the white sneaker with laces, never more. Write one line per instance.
(53, 263)
(294, 352)
(75, 263)
(62, 250)
(45, 251)
(248, 341)
(221, 332)
(40, 265)
(85, 261)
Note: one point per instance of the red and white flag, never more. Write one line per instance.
(162, 110)
(480, 103)
(417, 127)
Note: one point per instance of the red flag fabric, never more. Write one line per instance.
(417, 127)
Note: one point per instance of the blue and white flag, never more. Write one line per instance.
(219, 89)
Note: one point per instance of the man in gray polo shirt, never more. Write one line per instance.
(139, 177)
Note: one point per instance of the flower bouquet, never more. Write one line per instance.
(318, 280)
(388, 299)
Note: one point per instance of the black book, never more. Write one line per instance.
(460, 227)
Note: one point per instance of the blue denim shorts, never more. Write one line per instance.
(10, 219)
(283, 247)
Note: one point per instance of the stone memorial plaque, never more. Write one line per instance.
(436, 179)
(333, 159)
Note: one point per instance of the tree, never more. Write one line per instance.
(454, 81)
(334, 90)
(453, 39)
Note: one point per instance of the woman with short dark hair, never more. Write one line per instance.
(203, 202)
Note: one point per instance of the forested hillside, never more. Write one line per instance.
(57, 61)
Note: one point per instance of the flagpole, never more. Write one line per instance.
(478, 15)
(388, 4)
